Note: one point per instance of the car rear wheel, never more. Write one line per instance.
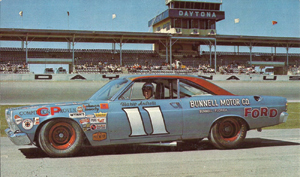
(60, 138)
(228, 133)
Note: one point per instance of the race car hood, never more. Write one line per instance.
(46, 105)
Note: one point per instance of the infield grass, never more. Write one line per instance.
(293, 120)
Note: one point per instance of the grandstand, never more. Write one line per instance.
(90, 58)
(130, 57)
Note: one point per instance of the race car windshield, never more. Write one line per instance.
(109, 90)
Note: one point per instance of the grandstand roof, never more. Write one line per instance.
(42, 35)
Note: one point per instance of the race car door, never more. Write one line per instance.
(133, 117)
(197, 119)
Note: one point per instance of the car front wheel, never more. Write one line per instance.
(60, 138)
(228, 133)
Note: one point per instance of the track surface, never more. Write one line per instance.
(268, 153)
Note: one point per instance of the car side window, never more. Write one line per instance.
(188, 90)
(161, 89)
(135, 92)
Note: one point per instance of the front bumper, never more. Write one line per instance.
(18, 138)
(283, 117)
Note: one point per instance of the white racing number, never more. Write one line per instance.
(137, 125)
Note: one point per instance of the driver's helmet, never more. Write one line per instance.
(148, 86)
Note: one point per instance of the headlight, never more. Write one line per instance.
(8, 116)
(10, 122)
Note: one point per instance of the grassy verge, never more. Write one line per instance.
(3, 123)
(292, 122)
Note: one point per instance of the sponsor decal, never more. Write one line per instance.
(222, 102)
(27, 124)
(98, 126)
(128, 104)
(203, 103)
(90, 116)
(245, 102)
(18, 119)
(260, 112)
(93, 127)
(100, 114)
(142, 103)
(202, 111)
(36, 120)
(84, 121)
(104, 106)
(205, 111)
(44, 111)
(79, 109)
(97, 120)
(77, 115)
(147, 103)
(23, 113)
(221, 110)
(61, 104)
(91, 107)
(230, 102)
(99, 136)
(86, 127)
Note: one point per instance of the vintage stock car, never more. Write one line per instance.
(145, 109)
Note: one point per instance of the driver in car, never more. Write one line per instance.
(148, 90)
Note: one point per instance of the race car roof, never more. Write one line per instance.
(197, 80)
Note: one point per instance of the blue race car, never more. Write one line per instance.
(145, 109)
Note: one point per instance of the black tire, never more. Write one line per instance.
(60, 138)
(228, 133)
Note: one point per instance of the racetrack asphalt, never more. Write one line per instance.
(267, 153)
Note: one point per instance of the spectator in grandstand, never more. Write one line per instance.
(100, 66)
(222, 70)
(85, 65)
(24, 66)
(174, 65)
